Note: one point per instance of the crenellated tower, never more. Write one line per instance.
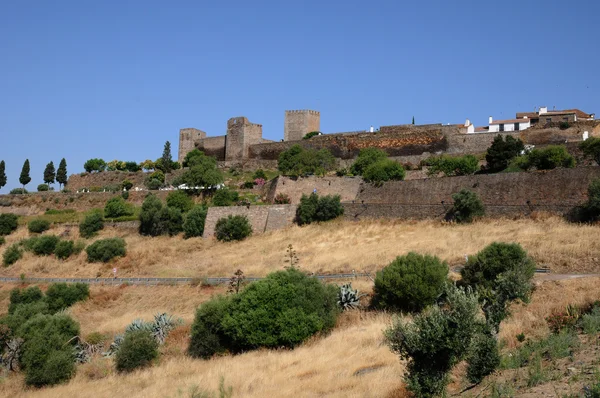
(299, 123)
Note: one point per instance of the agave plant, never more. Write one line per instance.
(348, 298)
(12, 352)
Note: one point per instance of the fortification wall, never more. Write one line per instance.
(299, 123)
(262, 218)
(346, 187)
(213, 146)
(187, 139)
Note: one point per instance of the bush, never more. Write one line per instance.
(117, 207)
(194, 222)
(452, 165)
(591, 148)
(467, 206)
(45, 245)
(282, 199)
(43, 188)
(170, 221)
(138, 350)
(248, 185)
(315, 209)
(78, 247)
(410, 283)
(502, 152)
(104, 250)
(298, 161)
(384, 170)
(60, 295)
(18, 191)
(435, 341)
(38, 225)
(203, 172)
(153, 184)
(28, 295)
(11, 255)
(500, 273)
(547, 158)
(366, 157)
(233, 228)
(8, 223)
(156, 219)
(2, 240)
(180, 200)
(260, 173)
(94, 165)
(483, 358)
(282, 310)
(91, 224)
(311, 134)
(225, 197)
(64, 249)
(125, 195)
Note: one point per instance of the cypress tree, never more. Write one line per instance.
(49, 173)
(166, 158)
(61, 173)
(2, 174)
(413, 122)
(24, 178)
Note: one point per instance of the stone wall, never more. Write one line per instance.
(241, 134)
(187, 139)
(299, 123)
(262, 218)
(213, 146)
(346, 187)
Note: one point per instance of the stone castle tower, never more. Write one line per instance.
(240, 135)
(299, 123)
(187, 141)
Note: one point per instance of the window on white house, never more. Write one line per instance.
(516, 126)
(502, 127)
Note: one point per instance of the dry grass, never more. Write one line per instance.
(339, 246)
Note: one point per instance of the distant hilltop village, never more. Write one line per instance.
(243, 140)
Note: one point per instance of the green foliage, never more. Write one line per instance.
(308, 136)
(153, 184)
(125, 195)
(410, 283)
(12, 254)
(45, 245)
(367, 157)
(2, 240)
(18, 191)
(49, 173)
(61, 295)
(2, 173)
(138, 350)
(25, 178)
(115, 165)
(348, 298)
(117, 207)
(43, 188)
(590, 323)
(28, 295)
(500, 274)
(435, 341)
(156, 219)
(298, 161)
(194, 222)
(233, 228)
(547, 158)
(282, 310)
(502, 152)
(384, 170)
(555, 346)
(452, 165)
(167, 160)
(38, 225)
(589, 147)
(8, 223)
(260, 173)
(91, 224)
(180, 200)
(203, 172)
(313, 208)
(132, 166)
(95, 164)
(61, 173)
(64, 249)
(467, 206)
(127, 185)
(225, 197)
(483, 357)
(104, 250)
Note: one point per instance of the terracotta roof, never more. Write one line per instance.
(510, 121)
(577, 112)
(530, 115)
(482, 128)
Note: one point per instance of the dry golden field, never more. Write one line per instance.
(338, 246)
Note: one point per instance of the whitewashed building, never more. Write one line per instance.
(498, 126)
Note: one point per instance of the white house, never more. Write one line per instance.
(498, 126)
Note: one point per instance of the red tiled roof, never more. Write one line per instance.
(577, 112)
(530, 115)
(482, 128)
(510, 121)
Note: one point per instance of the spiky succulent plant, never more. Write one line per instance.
(348, 298)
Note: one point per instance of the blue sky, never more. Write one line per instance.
(116, 79)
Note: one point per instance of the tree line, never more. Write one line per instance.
(51, 175)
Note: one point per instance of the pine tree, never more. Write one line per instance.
(166, 158)
(2, 174)
(25, 179)
(49, 173)
(61, 173)
(413, 122)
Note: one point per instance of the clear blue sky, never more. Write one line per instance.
(116, 79)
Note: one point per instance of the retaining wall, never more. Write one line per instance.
(346, 187)
(262, 218)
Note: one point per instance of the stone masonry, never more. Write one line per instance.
(262, 218)
(241, 134)
(299, 123)
(187, 141)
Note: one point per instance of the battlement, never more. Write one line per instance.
(298, 123)
(304, 111)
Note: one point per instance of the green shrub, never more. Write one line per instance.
(366, 157)
(248, 185)
(591, 148)
(384, 170)
(45, 245)
(410, 283)
(590, 323)
(104, 250)
(452, 165)
(60, 295)
(225, 197)
(24, 312)
(125, 195)
(18, 191)
(483, 357)
(298, 161)
(91, 224)
(233, 228)
(203, 172)
(138, 350)
(153, 184)
(180, 200)
(28, 295)
(126, 185)
(2, 240)
(170, 221)
(8, 223)
(435, 341)
(43, 188)
(28, 244)
(547, 158)
(317, 209)
(11, 255)
(78, 247)
(38, 225)
(467, 206)
(64, 249)
(500, 274)
(260, 173)
(156, 219)
(282, 310)
(502, 152)
(95, 164)
(117, 207)
(194, 222)
(310, 135)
